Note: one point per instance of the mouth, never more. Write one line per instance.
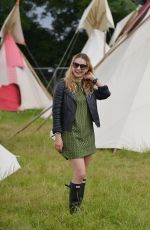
(78, 71)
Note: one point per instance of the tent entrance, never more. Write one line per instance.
(10, 98)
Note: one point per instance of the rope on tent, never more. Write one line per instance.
(73, 43)
(33, 59)
(43, 123)
(29, 123)
(69, 53)
(36, 64)
(54, 74)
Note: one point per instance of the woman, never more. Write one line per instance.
(74, 111)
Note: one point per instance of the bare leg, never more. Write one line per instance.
(87, 160)
(77, 185)
(79, 170)
(79, 167)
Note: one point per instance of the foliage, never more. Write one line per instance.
(49, 44)
(121, 8)
(116, 196)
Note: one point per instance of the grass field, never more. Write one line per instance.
(117, 193)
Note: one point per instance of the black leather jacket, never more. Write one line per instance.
(64, 106)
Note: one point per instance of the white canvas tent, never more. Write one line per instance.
(20, 87)
(8, 163)
(96, 16)
(95, 47)
(96, 20)
(125, 115)
(13, 25)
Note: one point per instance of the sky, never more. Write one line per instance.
(43, 21)
(46, 21)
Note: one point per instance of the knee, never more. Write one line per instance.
(81, 176)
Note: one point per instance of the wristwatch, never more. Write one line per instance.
(94, 81)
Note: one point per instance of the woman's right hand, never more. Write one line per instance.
(58, 142)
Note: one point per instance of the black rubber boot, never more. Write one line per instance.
(74, 197)
(82, 189)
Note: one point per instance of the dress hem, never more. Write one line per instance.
(77, 157)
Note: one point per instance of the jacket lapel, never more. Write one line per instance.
(70, 94)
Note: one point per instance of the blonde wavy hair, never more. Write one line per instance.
(70, 80)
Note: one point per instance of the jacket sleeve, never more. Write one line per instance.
(57, 107)
(102, 92)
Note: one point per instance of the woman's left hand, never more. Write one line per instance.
(89, 75)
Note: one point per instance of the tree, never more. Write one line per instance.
(121, 8)
(49, 44)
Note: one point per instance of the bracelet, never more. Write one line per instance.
(57, 133)
(94, 81)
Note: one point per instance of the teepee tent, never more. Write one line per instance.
(20, 87)
(95, 46)
(96, 20)
(125, 116)
(96, 16)
(8, 163)
(13, 24)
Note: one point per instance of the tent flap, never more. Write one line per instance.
(97, 16)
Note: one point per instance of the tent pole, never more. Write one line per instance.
(54, 75)
(114, 151)
(36, 64)
(43, 123)
(104, 42)
(29, 123)
(18, 2)
(66, 59)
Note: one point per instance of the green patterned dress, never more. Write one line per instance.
(80, 142)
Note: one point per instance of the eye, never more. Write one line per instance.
(82, 66)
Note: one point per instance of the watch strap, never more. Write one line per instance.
(94, 81)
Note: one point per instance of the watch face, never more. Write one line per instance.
(94, 81)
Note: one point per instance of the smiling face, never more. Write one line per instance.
(79, 68)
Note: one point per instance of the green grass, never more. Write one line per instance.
(117, 193)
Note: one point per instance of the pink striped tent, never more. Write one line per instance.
(20, 87)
